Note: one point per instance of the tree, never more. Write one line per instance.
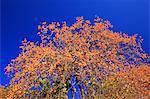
(91, 53)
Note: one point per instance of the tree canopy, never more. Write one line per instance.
(106, 64)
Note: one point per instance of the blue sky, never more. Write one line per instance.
(19, 19)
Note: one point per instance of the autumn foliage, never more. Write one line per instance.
(106, 64)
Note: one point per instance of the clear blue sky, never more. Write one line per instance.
(19, 19)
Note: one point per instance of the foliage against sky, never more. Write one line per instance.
(90, 52)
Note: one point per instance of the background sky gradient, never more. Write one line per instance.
(19, 19)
